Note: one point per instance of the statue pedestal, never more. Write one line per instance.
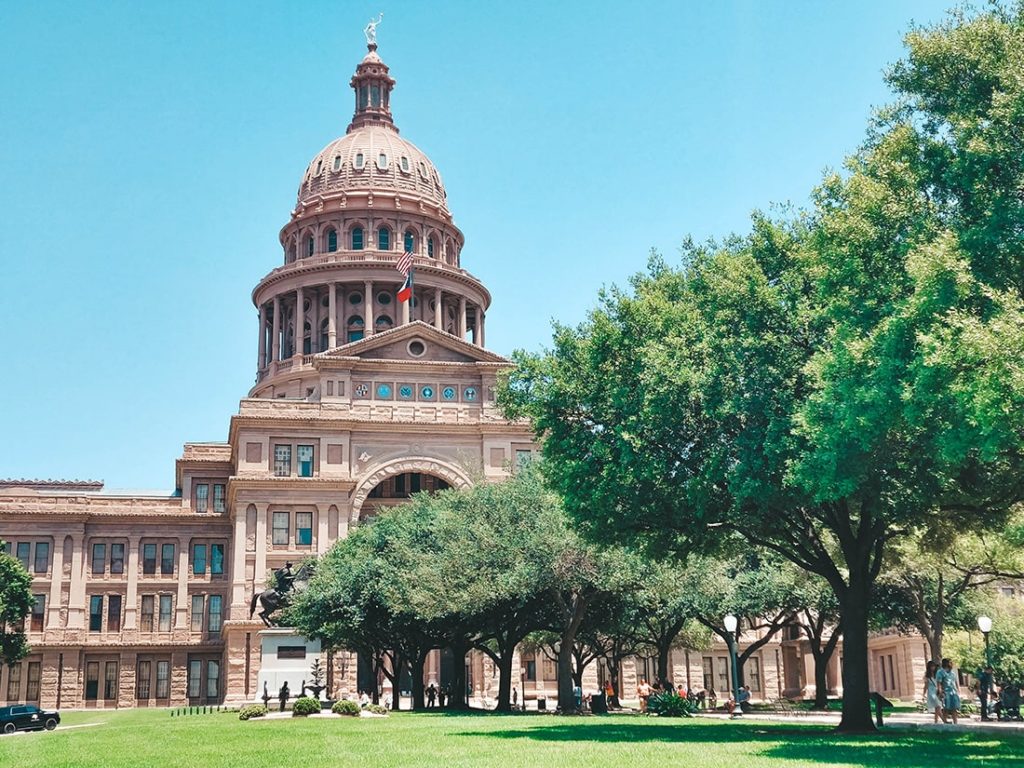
(285, 656)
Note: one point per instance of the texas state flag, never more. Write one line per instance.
(406, 291)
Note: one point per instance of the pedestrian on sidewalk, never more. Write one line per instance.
(931, 692)
(948, 690)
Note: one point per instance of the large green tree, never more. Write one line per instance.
(15, 604)
(831, 381)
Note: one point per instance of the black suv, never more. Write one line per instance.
(25, 717)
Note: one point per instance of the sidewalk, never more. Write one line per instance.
(909, 720)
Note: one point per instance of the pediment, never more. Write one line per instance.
(404, 343)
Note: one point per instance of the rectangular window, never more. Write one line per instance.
(110, 681)
(149, 559)
(35, 674)
(416, 482)
(303, 528)
(881, 662)
(38, 613)
(167, 560)
(165, 613)
(754, 674)
(42, 563)
(24, 550)
(892, 676)
(282, 460)
(305, 457)
(215, 614)
(216, 559)
(708, 669)
(199, 559)
(116, 558)
(14, 683)
(99, 559)
(163, 679)
(218, 498)
(213, 680)
(146, 621)
(92, 681)
(531, 669)
(197, 613)
(723, 676)
(399, 485)
(113, 613)
(96, 613)
(143, 680)
(202, 497)
(195, 678)
(280, 533)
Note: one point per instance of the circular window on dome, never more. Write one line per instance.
(384, 390)
(448, 393)
(383, 298)
(416, 348)
(382, 161)
(405, 391)
(359, 161)
(404, 164)
(469, 393)
(355, 298)
(427, 393)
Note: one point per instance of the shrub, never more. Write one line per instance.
(670, 704)
(377, 709)
(251, 711)
(305, 705)
(345, 707)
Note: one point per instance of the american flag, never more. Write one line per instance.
(404, 263)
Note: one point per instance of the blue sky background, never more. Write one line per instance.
(150, 153)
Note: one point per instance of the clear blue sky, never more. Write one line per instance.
(150, 153)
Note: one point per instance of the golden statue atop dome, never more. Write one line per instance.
(371, 30)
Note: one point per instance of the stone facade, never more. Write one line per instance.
(359, 400)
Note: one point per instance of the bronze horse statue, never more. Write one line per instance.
(272, 600)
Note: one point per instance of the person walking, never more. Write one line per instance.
(931, 692)
(948, 690)
(431, 695)
(643, 692)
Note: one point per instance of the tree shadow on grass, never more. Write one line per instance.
(816, 745)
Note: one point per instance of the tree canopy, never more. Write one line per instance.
(15, 604)
(832, 380)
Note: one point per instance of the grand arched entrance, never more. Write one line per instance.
(398, 489)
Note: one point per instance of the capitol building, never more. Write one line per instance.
(360, 399)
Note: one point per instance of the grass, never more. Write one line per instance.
(152, 738)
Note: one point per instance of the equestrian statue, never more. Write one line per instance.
(286, 583)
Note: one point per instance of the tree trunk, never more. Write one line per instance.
(854, 601)
(505, 681)
(566, 696)
(457, 697)
(663, 651)
(821, 681)
(418, 662)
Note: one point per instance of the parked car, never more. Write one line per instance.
(26, 717)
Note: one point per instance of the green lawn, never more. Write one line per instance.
(154, 739)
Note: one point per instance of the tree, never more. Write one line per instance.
(1006, 641)
(828, 382)
(15, 604)
(931, 581)
(819, 619)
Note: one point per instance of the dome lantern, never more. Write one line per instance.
(372, 86)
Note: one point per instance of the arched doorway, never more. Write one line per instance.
(398, 489)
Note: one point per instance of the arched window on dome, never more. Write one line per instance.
(449, 251)
(383, 239)
(337, 162)
(324, 339)
(430, 247)
(410, 241)
(310, 246)
(307, 339)
(357, 238)
(332, 240)
(290, 257)
(384, 322)
(354, 328)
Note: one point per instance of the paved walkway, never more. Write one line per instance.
(900, 719)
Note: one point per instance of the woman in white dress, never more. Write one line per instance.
(931, 692)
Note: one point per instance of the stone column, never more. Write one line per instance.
(332, 318)
(275, 337)
(480, 322)
(131, 599)
(462, 318)
(300, 323)
(238, 597)
(263, 339)
(181, 612)
(438, 316)
(368, 302)
(76, 594)
(260, 572)
(322, 532)
(52, 618)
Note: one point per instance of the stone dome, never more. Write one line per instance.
(376, 158)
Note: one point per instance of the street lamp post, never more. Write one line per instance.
(985, 625)
(731, 622)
